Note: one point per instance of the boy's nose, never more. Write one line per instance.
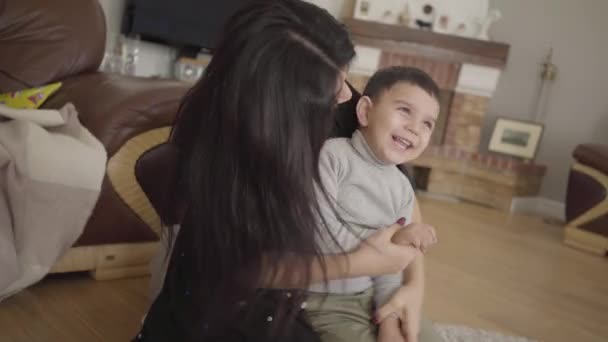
(413, 127)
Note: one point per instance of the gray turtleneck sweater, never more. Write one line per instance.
(368, 195)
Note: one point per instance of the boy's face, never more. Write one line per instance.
(399, 123)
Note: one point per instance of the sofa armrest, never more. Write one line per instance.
(116, 108)
(592, 155)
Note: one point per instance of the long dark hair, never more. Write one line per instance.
(248, 137)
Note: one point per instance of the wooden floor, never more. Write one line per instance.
(489, 270)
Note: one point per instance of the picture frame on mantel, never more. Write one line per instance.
(516, 138)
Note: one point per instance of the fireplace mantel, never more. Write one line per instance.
(437, 46)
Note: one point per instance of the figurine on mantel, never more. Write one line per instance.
(428, 16)
(486, 23)
(405, 16)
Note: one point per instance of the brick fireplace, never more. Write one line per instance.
(467, 71)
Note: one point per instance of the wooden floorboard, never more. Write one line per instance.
(490, 270)
(513, 274)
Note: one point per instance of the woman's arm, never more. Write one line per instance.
(376, 255)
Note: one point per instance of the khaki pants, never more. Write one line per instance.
(347, 318)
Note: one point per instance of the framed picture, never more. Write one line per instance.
(516, 138)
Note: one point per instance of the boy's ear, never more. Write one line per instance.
(364, 106)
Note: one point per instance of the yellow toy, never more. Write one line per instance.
(29, 98)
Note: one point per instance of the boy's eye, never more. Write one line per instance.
(404, 110)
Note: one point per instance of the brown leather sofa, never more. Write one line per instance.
(45, 41)
(587, 200)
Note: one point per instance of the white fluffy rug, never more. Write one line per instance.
(460, 333)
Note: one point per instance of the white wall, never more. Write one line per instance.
(577, 109)
(154, 59)
(338, 8)
(113, 10)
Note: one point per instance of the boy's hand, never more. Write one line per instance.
(378, 254)
(419, 235)
(390, 330)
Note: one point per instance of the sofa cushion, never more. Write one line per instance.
(155, 172)
(44, 41)
(116, 108)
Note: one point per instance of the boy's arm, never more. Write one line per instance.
(413, 275)
(384, 287)
(407, 300)
(387, 285)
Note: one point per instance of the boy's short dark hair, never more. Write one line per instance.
(385, 78)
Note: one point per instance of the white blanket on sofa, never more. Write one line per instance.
(51, 170)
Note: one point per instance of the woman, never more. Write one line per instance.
(249, 135)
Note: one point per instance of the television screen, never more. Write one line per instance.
(196, 23)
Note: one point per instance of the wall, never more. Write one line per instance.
(154, 59)
(338, 8)
(577, 109)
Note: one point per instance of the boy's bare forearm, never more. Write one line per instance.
(413, 275)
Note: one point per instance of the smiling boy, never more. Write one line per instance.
(397, 115)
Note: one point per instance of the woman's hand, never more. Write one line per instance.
(390, 330)
(378, 254)
(406, 302)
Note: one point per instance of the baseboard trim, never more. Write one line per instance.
(440, 197)
(539, 206)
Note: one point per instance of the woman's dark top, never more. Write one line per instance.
(165, 321)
